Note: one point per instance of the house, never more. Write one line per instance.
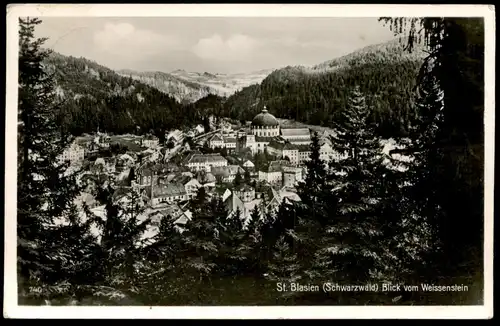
(248, 165)
(126, 196)
(176, 136)
(291, 175)
(149, 173)
(101, 165)
(291, 152)
(91, 148)
(226, 126)
(327, 153)
(199, 129)
(183, 218)
(167, 193)
(190, 184)
(226, 194)
(304, 154)
(126, 160)
(74, 153)
(245, 193)
(150, 141)
(245, 200)
(282, 148)
(289, 193)
(230, 142)
(102, 140)
(216, 141)
(227, 173)
(273, 174)
(206, 179)
(198, 162)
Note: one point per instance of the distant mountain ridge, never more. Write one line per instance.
(314, 95)
(188, 87)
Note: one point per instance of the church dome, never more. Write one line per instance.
(265, 119)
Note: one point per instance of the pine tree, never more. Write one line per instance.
(414, 207)
(455, 58)
(310, 216)
(238, 181)
(254, 222)
(351, 249)
(161, 276)
(123, 228)
(315, 183)
(131, 176)
(46, 189)
(232, 249)
(251, 242)
(284, 266)
(201, 236)
(246, 177)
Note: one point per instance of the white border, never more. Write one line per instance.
(11, 310)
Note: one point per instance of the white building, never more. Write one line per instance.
(291, 175)
(199, 129)
(327, 153)
(216, 141)
(102, 140)
(166, 193)
(190, 183)
(227, 173)
(265, 128)
(248, 164)
(198, 162)
(74, 153)
(304, 154)
(230, 142)
(150, 141)
(274, 172)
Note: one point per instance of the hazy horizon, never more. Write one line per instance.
(225, 45)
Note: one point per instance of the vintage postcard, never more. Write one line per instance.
(249, 161)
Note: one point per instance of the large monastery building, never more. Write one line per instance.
(266, 128)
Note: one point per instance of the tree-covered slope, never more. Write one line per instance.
(385, 73)
(95, 97)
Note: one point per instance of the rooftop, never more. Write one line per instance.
(265, 119)
(206, 158)
(216, 137)
(260, 139)
(244, 188)
(303, 148)
(277, 166)
(167, 190)
(291, 132)
(150, 137)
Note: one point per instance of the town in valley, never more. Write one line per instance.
(256, 164)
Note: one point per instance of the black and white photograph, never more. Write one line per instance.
(249, 161)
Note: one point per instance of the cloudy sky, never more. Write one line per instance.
(216, 45)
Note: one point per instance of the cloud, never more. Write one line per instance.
(237, 47)
(124, 40)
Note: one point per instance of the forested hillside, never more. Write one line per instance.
(95, 97)
(317, 95)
